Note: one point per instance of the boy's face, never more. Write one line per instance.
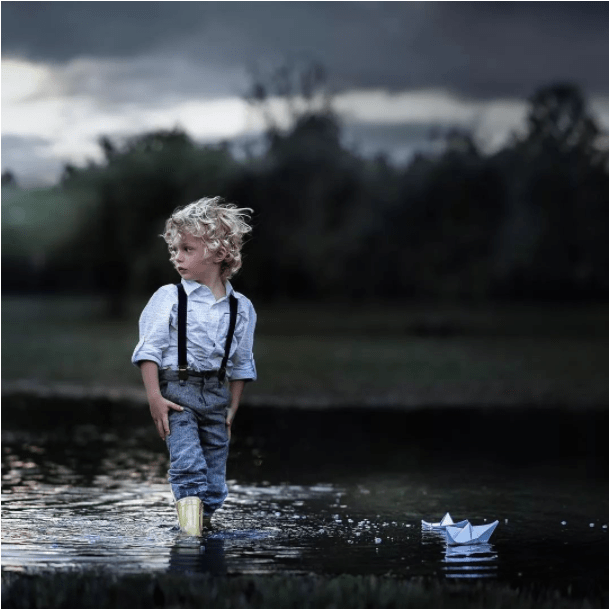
(193, 260)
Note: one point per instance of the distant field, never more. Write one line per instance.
(36, 220)
(376, 355)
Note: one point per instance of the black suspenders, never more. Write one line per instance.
(229, 336)
(182, 313)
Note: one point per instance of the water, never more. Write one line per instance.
(314, 492)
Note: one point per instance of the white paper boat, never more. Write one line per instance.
(469, 534)
(447, 521)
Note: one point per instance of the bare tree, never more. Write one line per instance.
(300, 88)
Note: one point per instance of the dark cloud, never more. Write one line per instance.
(482, 49)
(397, 141)
(60, 31)
(513, 47)
(26, 157)
(13, 143)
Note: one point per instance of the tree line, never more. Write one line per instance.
(530, 221)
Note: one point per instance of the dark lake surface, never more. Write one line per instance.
(328, 492)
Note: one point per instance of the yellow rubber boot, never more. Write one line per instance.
(190, 515)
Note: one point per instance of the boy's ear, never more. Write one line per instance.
(220, 254)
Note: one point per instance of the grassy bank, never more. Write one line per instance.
(393, 355)
(21, 591)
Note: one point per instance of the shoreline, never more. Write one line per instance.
(497, 395)
(103, 590)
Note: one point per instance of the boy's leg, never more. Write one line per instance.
(214, 441)
(188, 468)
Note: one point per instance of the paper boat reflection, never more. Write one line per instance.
(474, 561)
(478, 552)
(446, 521)
(469, 534)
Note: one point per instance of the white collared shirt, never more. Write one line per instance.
(206, 330)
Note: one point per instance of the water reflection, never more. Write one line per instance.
(104, 503)
(470, 561)
(193, 555)
(463, 561)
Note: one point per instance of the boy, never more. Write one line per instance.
(192, 406)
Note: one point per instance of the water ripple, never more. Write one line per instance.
(109, 508)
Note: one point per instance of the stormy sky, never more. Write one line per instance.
(72, 71)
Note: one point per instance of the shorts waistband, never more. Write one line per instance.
(193, 376)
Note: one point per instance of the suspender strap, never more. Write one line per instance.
(229, 336)
(182, 315)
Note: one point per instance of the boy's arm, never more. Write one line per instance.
(159, 406)
(236, 391)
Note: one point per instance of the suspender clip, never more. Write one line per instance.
(183, 373)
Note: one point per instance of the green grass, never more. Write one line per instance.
(35, 220)
(367, 355)
(22, 591)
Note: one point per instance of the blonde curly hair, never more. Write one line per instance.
(221, 225)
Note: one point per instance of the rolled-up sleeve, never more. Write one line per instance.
(154, 327)
(244, 366)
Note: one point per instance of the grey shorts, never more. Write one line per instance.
(198, 437)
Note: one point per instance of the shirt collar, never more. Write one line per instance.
(190, 286)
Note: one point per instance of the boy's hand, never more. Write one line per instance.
(229, 422)
(159, 409)
(236, 390)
